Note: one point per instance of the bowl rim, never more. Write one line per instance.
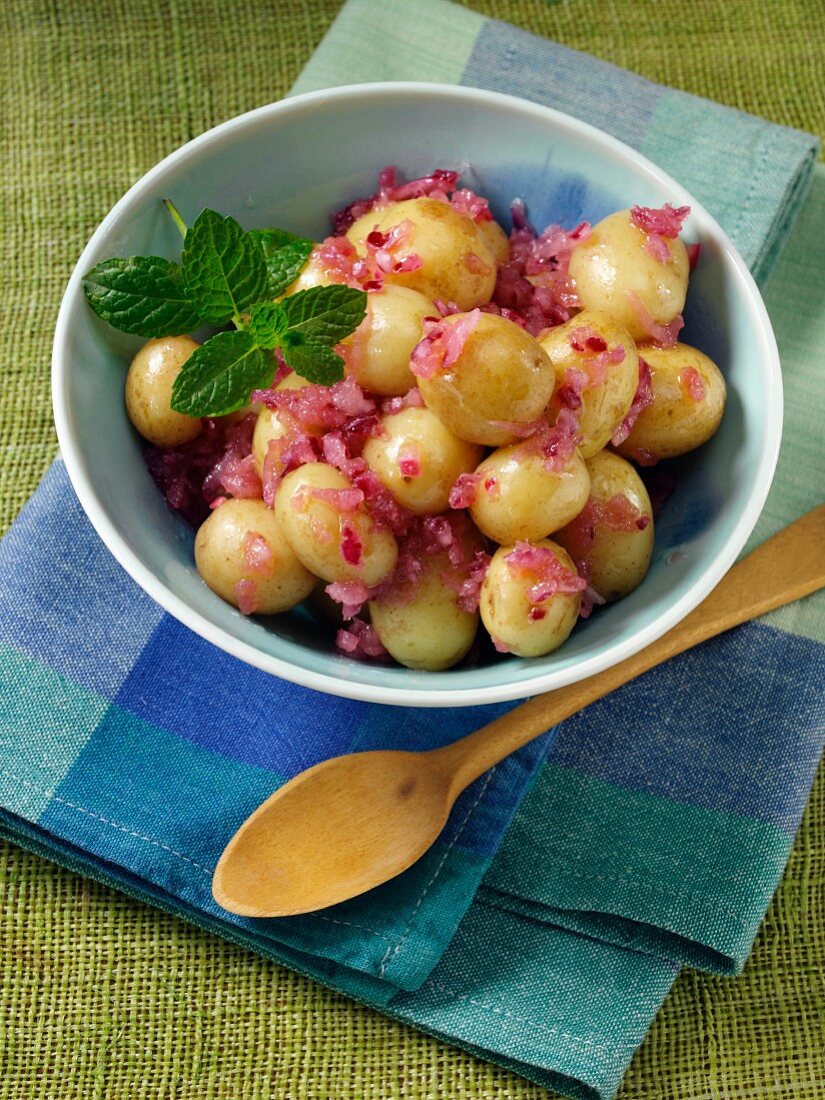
(415, 696)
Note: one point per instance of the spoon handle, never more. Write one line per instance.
(784, 568)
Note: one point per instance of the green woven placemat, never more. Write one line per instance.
(103, 997)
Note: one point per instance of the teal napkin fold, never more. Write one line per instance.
(659, 826)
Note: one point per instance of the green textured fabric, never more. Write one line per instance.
(102, 996)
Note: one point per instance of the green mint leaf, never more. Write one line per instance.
(315, 362)
(285, 254)
(224, 269)
(219, 377)
(267, 324)
(142, 295)
(323, 314)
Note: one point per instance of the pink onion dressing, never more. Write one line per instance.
(246, 593)
(467, 202)
(352, 547)
(412, 399)
(692, 382)
(342, 501)
(665, 221)
(442, 345)
(598, 358)
(641, 400)
(656, 247)
(437, 185)
(409, 460)
(360, 640)
(351, 595)
(551, 576)
(465, 490)
(257, 554)
(664, 336)
(474, 264)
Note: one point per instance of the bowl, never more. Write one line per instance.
(291, 163)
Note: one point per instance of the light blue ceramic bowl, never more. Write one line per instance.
(288, 165)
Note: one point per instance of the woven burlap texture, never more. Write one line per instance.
(103, 997)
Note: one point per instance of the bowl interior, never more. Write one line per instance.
(289, 166)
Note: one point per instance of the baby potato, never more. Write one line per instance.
(515, 619)
(589, 343)
(613, 272)
(379, 350)
(457, 262)
(269, 425)
(425, 627)
(149, 392)
(418, 459)
(501, 377)
(313, 273)
(242, 554)
(518, 498)
(613, 535)
(689, 395)
(335, 542)
(497, 240)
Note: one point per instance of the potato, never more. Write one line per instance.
(457, 262)
(416, 438)
(609, 392)
(497, 240)
(422, 625)
(518, 498)
(269, 424)
(689, 395)
(241, 553)
(335, 544)
(501, 377)
(612, 538)
(149, 391)
(516, 619)
(378, 352)
(313, 273)
(613, 272)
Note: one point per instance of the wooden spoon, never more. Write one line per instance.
(353, 822)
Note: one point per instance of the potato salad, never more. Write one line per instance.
(481, 457)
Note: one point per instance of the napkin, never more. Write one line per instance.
(656, 830)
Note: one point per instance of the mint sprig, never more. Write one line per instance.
(226, 275)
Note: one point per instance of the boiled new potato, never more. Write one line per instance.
(457, 266)
(419, 460)
(500, 378)
(518, 498)
(149, 392)
(422, 625)
(610, 388)
(514, 618)
(270, 423)
(613, 272)
(378, 355)
(337, 543)
(497, 240)
(241, 543)
(313, 273)
(613, 535)
(689, 395)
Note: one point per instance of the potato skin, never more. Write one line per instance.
(606, 404)
(316, 531)
(380, 349)
(517, 498)
(149, 391)
(506, 607)
(615, 561)
(458, 264)
(269, 424)
(612, 265)
(220, 557)
(423, 626)
(677, 422)
(502, 375)
(497, 240)
(442, 457)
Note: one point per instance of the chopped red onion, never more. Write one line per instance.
(409, 460)
(360, 640)
(665, 221)
(691, 380)
(257, 553)
(246, 593)
(442, 345)
(641, 400)
(664, 336)
(464, 491)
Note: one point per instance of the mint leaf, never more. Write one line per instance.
(223, 268)
(315, 362)
(142, 295)
(267, 324)
(323, 314)
(285, 254)
(219, 377)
